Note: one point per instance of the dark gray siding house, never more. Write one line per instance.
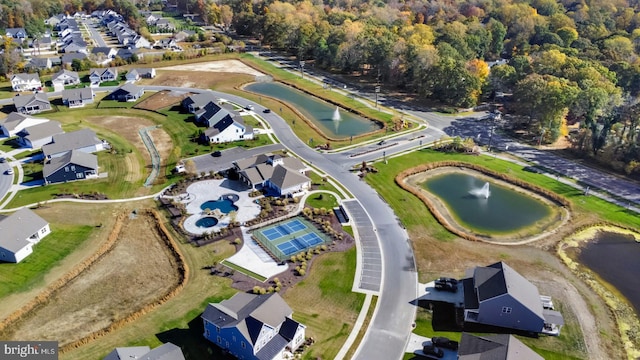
(127, 92)
(72, 166)
(494, 347)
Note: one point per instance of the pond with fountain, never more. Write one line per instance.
(334, 122)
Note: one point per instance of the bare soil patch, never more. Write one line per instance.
(229, 66)
(203, 80)
(137, 271)
(161, 100)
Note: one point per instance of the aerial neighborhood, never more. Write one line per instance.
(320, 180)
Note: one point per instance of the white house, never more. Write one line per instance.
(36, 136)
(228, 129)
(65, 77)
(25, 82)
(99, 75)
(77, 97)
(20, 231)
(15, 122)
(140, 73)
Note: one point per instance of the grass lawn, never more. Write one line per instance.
(9, 144)
(322, 200)
(31, 271)
(320, 184)
(32, 171)
(335, 308)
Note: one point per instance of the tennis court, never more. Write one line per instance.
(289, 237)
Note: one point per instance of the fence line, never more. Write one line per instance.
(155, 156)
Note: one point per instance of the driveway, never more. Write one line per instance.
(208, 163)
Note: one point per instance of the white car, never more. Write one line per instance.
(9, 172)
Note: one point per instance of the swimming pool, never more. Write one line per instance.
(207, 222)
(225, 205)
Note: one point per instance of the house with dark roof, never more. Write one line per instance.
(126, 92)
(71, 166)
(16, 33)
(164, 24)
(67, 59)
(100, 75)
(65, 77)
(496, 295)
(38, 63)
(36, 136)
(494, 347)
(20, 231)
(253, 327)
(77, 97)
(25, 82)
(15, 122)
(83, 140)
(140, 73)
(32, 103)
(196, 102)
(228, 129)
(166, 43)
(167, 351)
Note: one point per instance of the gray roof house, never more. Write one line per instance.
(77, 97)
(196, 102)
(15, 122)
(164, 24)
(25, 82)
(98, 75)
(287, 182)
(140, 73)
(20, 231)
(32, 103)
(126, 92)
(16, 33)
(496, 295)
(71, 166)
(167, 351)
(36, 136)
(285, 175)
(494, 347)
(84, 140)
(37, 63)
(65, 77)
(256, 327)
(67, 59)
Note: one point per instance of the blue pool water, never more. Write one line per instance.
(225, 206)
(207, 222)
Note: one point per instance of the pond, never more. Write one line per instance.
(486, 206)
(334, 122)
(614, 257)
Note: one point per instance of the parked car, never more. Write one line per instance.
(430, 349)
(447, 284)
(266, 111)
(2, 160)
(444, 342)
(216, 153)
(249, 107)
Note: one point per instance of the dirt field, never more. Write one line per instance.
(137, 271)
(229, 66)
(161, 100)
(202, 80)
(128, 128)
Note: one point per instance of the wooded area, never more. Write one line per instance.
(568, 61)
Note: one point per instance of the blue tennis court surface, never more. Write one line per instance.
(290, 237)
(299, 243)
(284, 229)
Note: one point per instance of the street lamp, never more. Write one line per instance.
(302, 69)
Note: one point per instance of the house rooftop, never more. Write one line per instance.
(18, 227)
(494, 347)
(70, 157)
(70, 141)
(41, 130)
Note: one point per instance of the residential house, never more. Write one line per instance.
(228, 129)
(287, 182)
(75, 46)
(65, 77)
(32, 103)
(37, 63)
(196, 102)
(151, 19)
(164, 24)
(67, 59)
(25, 82)
(54, 20)
(252, 326)
(494, 347)
(100, 75)
(15, 122)
(43, 43)
(166, 43)
(140, 73)
(16, 33)
(211, 113)
(140, 42)
(103, 55)
(496, 295)
(127, 54)
(71, 166)
(36, 136)
(126, 92)
(184, 35)
(83, 140)
(20, 231)
(167, 351)
(77, 97)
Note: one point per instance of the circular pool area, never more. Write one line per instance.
(224, 205)
(207, 222)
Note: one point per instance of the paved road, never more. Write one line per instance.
(209, 163)
(92, 28)
(5, 180)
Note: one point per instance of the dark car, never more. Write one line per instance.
(431, 349)
(447, 284)
(216, 153)
(444, 342)
(266, 111)
(2, 160)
